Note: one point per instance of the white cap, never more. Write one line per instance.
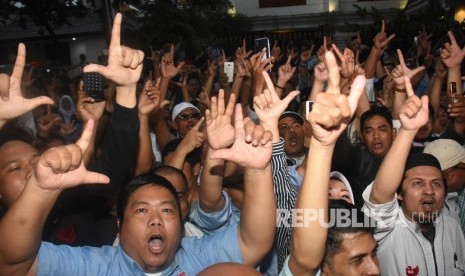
(448, 152)
(343, 179)
(180, 107)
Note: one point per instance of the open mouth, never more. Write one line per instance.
(156, 244)
(293, 141)
(378, 145)
(427, 205)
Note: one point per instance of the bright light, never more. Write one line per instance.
(460, 14)
(232, 11)
(73, 38)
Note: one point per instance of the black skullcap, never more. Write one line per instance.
(421, 159)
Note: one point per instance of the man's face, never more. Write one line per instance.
(17, 162)
(377, 135)
(151, 230)
(337, 190)
(183, 192)
(422, 194)
(193, 86)
(455, 178)
(186, 120)
(356, 257)
(293, 134)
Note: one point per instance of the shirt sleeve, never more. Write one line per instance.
(197, 254)
(385, 215)
(285, 199)
(211, 222)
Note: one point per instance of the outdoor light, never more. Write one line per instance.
(74, 38)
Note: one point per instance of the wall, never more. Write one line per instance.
(90, 46)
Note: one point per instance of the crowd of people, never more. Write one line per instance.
(327, 163)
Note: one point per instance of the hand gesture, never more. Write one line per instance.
(321, 72)
(47, 121)
(268, 105)
(275, 50)
(168, 70)
(332, 111)
(252, 144)
(62, 167)
(204, 99)
(124, 64)
(220, 132)
(212, 68)
(402, 70)
(452, 55)
(241, 52)
(381, 40)
(358, 71)
(347, 61)
(259, 66)
(149, 98)
(87, 108)
(12, 102)
(243, 68)
(286, 71)
(193, 138)
(322, 50)
(413, 113)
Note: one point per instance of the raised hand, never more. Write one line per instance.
(381, 40)
(286, 71)
(124, 64)
(358, 70)
(242, 51)
(62, 167)
(204, 99)
(268, 105)
(413, 113)
(275, 50)
(252, 144)
(332, 111)
(87, 108)
(12, 102)
(322, 50)
(149, 98)
(193, 138)
(402, 70)
(347, 61)
(220, 132)
(452, 55)
(46, 122)
(67, 128)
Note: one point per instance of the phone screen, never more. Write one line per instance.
(261, 43)
(229, 70)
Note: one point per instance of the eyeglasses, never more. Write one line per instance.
(188, 117)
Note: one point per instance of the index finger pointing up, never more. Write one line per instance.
(333, 73)
(382, 26)
(20, 62)
(116, 31)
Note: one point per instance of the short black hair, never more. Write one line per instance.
(139, 182)
(11, 132)
(375, 111)
(336, 232)
(168, 170)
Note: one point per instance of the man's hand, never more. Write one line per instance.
(149, 98)
(321, 72)
(402, 70)
(457, 110)
(193, 138)
(124, 64)
(12, 102)
(452, 55)
(381, 40)
(286, 71)
(268, 105)
(332, 111)
(413, 113)
(220, 132)
(87, 108)
(347, 61)
(62, 167)
(252, 144)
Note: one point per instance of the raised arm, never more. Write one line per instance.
(149, 102)
(413, 115)
(12, 102)
(57, 169)
(379, 43)
(252, 150)
(220, 134)
(329, 118)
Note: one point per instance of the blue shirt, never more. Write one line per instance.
(193, 256)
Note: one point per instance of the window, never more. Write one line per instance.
(280, 3)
